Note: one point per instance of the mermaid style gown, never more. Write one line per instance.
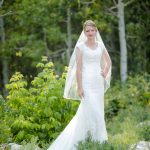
(90, 114)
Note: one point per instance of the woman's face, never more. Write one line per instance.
(90, 32)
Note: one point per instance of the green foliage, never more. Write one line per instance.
(38, 109)
(35, 112)
(123, 97)
(35, 108)
(90, 144)
(5, 133)
(144, 131)
(40, 28)
(32, 145)
(137, 29)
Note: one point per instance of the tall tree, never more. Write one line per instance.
(5, 69)
(122, 39)
(69, 41)
(122, 36)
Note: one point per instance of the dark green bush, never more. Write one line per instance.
(134, 92)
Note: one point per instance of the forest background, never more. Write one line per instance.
(50, 28)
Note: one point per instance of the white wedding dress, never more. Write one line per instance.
(90, 114)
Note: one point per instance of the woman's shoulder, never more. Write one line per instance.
(80, 45)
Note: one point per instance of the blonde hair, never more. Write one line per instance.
(89, 23)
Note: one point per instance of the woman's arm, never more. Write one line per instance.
(107, 62)
(79, 72)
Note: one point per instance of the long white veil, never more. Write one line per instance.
(70, 91)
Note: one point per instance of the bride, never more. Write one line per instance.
(88, 78)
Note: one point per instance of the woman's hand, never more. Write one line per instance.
(80, 92)
(103, 73)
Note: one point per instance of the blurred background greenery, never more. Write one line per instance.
(31, 29)
(32, 105)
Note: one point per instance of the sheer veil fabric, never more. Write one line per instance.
(70, 90)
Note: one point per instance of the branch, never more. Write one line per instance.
(113, 7)
(7, 14)
(128, 3)
(125, 4)
(110, 12)
(1, 3)
(114, 2)
(131, 36)
(19, 48)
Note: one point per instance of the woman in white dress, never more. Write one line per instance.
(87, 80)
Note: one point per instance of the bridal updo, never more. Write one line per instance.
(89, 23)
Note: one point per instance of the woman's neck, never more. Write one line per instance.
(90, 41)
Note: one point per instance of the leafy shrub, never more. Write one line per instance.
(38, 110)
(134, 92)
(32, 145)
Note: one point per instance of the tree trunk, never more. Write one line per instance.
(5, 75)
(5, 60)
(69, 41)
(123, 48)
